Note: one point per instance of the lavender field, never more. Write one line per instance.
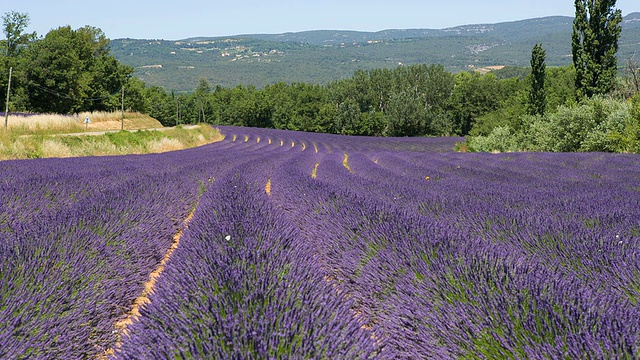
(324, 247)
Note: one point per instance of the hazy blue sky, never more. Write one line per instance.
(179, 19)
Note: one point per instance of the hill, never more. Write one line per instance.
(324, 55)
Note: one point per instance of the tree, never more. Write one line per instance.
(406, 115)
(71, 71)
(596, 30)
(202, 95)
(537, 95)
(13, 26)
(380, 88)
(160, 105)
(473, 96)
(633, 77)
(560, 85)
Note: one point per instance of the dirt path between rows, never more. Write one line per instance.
(149, 287)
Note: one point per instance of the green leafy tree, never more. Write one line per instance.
(380, 88)
(241, 106)
(134, 99)
(202, 96)
(348, 117)
(537, 95)
(13, 25)
(281, 104)
(596, 30)
(406, 115)
(160, 105)
(307, 100)
(510, 100)
(560, 87)
(346, 110)
(53, 72)
(473, 96)
(71, 71)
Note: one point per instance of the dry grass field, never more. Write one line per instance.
(51, 135)
(100, 121)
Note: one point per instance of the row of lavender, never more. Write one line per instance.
(78, 239)
(312, 245)
(81, 236)
(494, 264)
(243, 286)
(447, 255)
(4, 114)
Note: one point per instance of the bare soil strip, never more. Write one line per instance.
(267, 187)
(149, 286)
(345, 162)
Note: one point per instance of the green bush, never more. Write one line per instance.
(126, 139)
(538, 135)
(626, 138)
(596, 124)
(590, 126)
(501, 139)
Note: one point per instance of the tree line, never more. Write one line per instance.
(416, 100)
(72, 70)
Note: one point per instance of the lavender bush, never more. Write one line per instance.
(321, 246)
(242, 285)
(79, 239)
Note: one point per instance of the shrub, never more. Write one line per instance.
(626, 137)
(596, 124)
(501, 139)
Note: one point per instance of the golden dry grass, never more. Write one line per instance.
(100, 121)
(51, 137)
(164, 145)
(56, 149)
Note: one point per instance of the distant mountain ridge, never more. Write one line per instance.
(320, 56)
(323, 37)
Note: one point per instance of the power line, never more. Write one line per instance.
(53, 92)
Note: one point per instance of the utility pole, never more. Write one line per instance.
(6, 113)
(177, 111)
(122, 123)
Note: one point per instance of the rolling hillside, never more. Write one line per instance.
(324, 55)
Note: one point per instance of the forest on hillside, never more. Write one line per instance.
(514, 108)
(321, 56)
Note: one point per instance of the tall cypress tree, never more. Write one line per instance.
(537, 96)
(596, 30)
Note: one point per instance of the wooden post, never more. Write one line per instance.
(6, 114)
